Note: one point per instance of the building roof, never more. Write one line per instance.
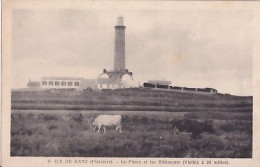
(33, 84)
(163, 82)
(62, 78)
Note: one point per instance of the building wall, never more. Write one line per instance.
(108, 86)
(80, 84)
(60, 84)
(88, 83)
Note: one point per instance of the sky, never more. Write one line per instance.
(192, 48)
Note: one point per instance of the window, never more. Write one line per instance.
(76, 83)
(57, 83)
(63, 83)
(50, 82)
(69, 83)
(44, 82)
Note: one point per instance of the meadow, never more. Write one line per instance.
(132, 99)
(68, 133)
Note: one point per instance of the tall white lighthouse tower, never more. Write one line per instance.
(119, 59)
(115, 75)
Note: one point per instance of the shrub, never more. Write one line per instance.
(48, 117)
(193, 126)
(192, 115)
(208, 145)
(237, 126)
(77, 117)
(52, 127)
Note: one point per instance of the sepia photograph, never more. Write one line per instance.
(131, 82)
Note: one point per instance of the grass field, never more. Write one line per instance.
(65, 133)
(132, 99)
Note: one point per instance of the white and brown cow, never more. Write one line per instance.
(107, 120)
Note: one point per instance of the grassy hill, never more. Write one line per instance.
(45, 123)
(132, 99)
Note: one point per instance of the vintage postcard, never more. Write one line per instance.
(128, 83)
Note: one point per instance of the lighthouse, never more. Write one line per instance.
(115, 75)
(119, 57)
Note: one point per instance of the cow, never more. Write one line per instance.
(107, 120)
